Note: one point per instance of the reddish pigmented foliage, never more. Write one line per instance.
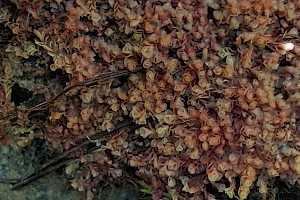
(217, 99)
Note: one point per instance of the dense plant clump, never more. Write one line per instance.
(217, 101)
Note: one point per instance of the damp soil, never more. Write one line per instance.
(16, 162)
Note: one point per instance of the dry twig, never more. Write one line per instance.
(63, 159)
(98, 79)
